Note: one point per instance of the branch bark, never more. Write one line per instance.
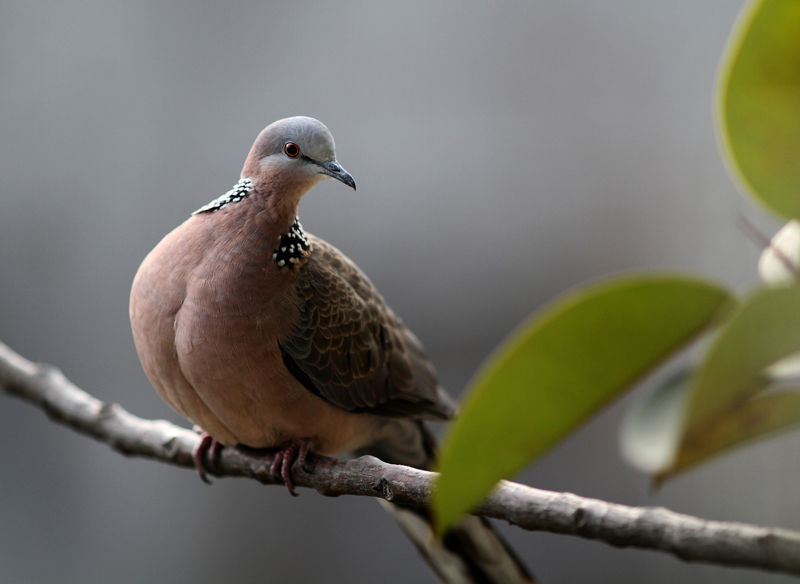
(655, 528)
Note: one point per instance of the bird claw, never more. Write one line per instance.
(282, 464)
(207, 449)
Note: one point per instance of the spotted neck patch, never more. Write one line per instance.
(239, 191)
(293, 247)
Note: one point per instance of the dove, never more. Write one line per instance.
(265, 336)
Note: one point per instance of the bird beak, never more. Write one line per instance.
(334, 170)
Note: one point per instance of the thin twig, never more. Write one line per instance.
(687, 537)
(765, 243)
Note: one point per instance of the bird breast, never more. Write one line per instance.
(206, 320)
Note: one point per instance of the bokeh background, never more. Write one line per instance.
(504, 152)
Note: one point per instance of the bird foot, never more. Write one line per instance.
(282, 465)
(207, 449)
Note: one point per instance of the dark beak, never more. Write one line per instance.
(334, 170)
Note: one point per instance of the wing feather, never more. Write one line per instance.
(351, 347)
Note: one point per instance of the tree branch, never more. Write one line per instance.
(687, 537)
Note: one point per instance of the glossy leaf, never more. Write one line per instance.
(560, 367)
(759, 103)
(651, 430)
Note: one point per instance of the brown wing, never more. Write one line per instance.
(350, 348)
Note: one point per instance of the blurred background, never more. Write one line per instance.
(504, 152)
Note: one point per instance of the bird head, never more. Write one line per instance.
(295, 153)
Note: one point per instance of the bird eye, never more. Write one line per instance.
(291, 149)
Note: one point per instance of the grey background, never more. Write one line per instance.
(503, 152)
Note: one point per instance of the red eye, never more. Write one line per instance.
(291, 149)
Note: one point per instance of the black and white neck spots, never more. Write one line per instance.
(293, 246)
(239, 191)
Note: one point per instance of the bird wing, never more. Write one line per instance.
(349, 348)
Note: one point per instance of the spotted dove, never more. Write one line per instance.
(266, 336)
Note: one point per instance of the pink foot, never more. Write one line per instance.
(207, 445)
(282, 465)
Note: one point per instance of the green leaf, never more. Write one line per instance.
(764, 328)
(557, 369)
(731, 399)
(742, 424)
(651, 436)
(759, 103)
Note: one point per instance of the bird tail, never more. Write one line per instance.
(472, 552)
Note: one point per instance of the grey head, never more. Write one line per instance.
(298, 150)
